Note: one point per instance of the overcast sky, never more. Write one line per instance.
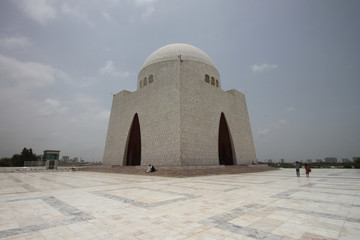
(298, 63)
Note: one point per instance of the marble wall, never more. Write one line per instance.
(179, 115)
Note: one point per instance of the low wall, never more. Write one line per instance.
(35, 169)
(184, 167)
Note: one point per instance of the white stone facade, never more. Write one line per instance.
(179, 113)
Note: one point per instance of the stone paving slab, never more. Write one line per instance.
(262, 205)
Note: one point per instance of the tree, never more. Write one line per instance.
(18, 160)
(28, 155)
(357, 163)
(5, 162)
(348, 165)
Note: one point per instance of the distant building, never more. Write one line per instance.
(66, 158)
(309, 161)
(331, 160)
(282, 161)
(51, 157)
(319, 160)
(344, 160)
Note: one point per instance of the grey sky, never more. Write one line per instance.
(298, 62)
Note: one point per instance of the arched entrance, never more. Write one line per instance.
(225, 147)
(133, 149)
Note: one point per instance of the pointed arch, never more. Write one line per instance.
(133, 146)
(225, 143)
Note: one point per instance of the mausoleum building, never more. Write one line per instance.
(179, 115)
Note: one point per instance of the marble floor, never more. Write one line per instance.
(266, 205)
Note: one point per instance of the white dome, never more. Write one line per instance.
(172, 52)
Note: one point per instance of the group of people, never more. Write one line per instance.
(306, 167)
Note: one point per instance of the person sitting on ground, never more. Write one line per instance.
(149, 169)
(153, 169)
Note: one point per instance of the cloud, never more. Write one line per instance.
(75, 13)
(148, 11)
(263, 67)
(144, 2)
(15, 73)
(279, 124)
(87, 81)
(90, 107)
(84, 100)
(148, 5)
(291, 109)
(69, 125)
(109, 69)
(107, 16)
(52, 107)
(263, 132)
(90, 114)
(43, 11)
(40, 11)
(13, 42)
(56, 134)
(103, 115)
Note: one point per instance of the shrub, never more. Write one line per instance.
(348, 165)
(357, 163)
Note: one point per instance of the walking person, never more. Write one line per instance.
(307, 169)
(297, 167)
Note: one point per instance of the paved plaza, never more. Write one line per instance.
(263, 205)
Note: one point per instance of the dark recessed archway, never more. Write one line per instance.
(133, 148)
(225, 146)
